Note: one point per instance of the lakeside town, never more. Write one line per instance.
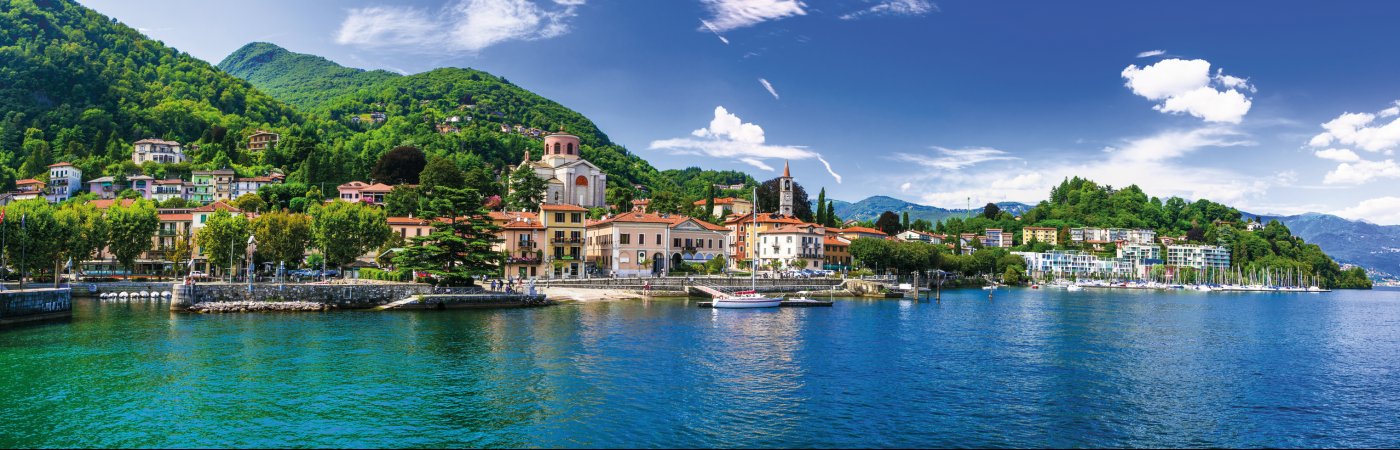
(573, 233)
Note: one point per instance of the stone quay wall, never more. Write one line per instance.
(487, 300)
(34, 304)
(337, 296)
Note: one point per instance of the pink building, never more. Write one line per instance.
(644, 244)
(359, 191)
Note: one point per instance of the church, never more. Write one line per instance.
(571, 179)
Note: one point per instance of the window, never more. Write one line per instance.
(576, 217)
(556, 148)
(571, 148)
(641, 239)
(676, 242)
(559, 217)
(625, 239)
(658, 239)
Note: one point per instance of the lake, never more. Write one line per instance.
(1038, 368)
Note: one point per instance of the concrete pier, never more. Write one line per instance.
(34, 305)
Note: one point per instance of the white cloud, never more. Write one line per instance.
(769, 87)
(952, 159)
(893, 8)
(1361, 172)
(729, 137)
(732, 14)
(1155, 163)
(464, 25)
(1382, 210)
(1151, 53)
(1338, 154)
(905, 187)
(1186, 86)
(1361, 131)
(716, 32)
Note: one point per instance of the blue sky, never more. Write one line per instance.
(1287, 108)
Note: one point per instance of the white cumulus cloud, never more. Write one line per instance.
(1338, 154)
(1361, 130)
(1361, 172)
(463, 25)
(1381, 210)
(732, 14)
(893, 8)
(730, 137)
(1187, 86)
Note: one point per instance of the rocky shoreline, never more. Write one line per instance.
(238, 307)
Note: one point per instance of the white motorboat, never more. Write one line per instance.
(747, 299)
(1074, 288)
(750, 298)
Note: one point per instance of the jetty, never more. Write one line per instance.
(795, 303)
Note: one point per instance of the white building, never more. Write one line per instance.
(167, 189)
(570, 179)
(919, 236)
(1106, 235)
(1198, 256)
(158, 151)
(64, 181)
(250, 185)
(995, 237)
(796, 246)
(1064, 264)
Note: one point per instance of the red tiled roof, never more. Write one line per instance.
(763, 218)
(62, 164)
(721, 201)
(217, 206)
(177, 217)
(800, 228)
(352, 185)
(171, 181)
(863, 230)
(377, 188)
(28, 181)
(104, 204)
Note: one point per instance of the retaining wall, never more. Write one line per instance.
(34, 304)
(340, 296)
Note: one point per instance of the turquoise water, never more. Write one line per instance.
(1030, 368)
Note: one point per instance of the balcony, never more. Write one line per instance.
(530, 260)
(809, 256)
(566, 240)
(526, 244)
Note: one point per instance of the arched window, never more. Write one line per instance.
(556, 148)
(581, 181)
(571, 148)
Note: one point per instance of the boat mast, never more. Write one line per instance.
(753, 274)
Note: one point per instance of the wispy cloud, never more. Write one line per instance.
(715, 31)
(955, 159)
(769, 87)
(1151, 53)
(729, 137)
(1188, 87)
(463, 25)
(893, 8)
(732, 14)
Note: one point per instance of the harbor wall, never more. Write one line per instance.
(338, 296)
(34, 305)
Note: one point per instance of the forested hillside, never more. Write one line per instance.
(77, 86)
(304, 81)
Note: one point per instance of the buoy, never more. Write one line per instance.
(123, 295)
(165, 294)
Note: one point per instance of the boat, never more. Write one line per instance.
(1035, 286)
(750, 298)
(1074, 288)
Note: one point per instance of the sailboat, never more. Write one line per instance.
(750, 298)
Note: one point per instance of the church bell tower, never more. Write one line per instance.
(785, 192)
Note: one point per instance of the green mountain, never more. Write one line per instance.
(478, 113)
(304, 81)
(1375, 247)
(80, 87)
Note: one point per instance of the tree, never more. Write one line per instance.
(179, 252)
(460, 246)
(174, 202)
(32, 236)
(402, 201)
(888, 223)
(715, 265)
(831, 219)
(87, 232)
(441, 172)
(251, 202)
(991, 211)
(128, 193)
(710, 202)
(282, 236)
(345, 230)
(130, 228)
(400, 165)
(224, 237)
(904, 221)
(526, 190)
(821, 207)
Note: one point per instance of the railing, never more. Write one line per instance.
(567, 240)
(522, 260)
(525, 244)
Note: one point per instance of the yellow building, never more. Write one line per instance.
(564, 227)
(1046, 235)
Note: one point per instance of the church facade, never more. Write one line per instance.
(571, 180)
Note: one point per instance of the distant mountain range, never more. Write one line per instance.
(1374, 247)
(872, 207)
